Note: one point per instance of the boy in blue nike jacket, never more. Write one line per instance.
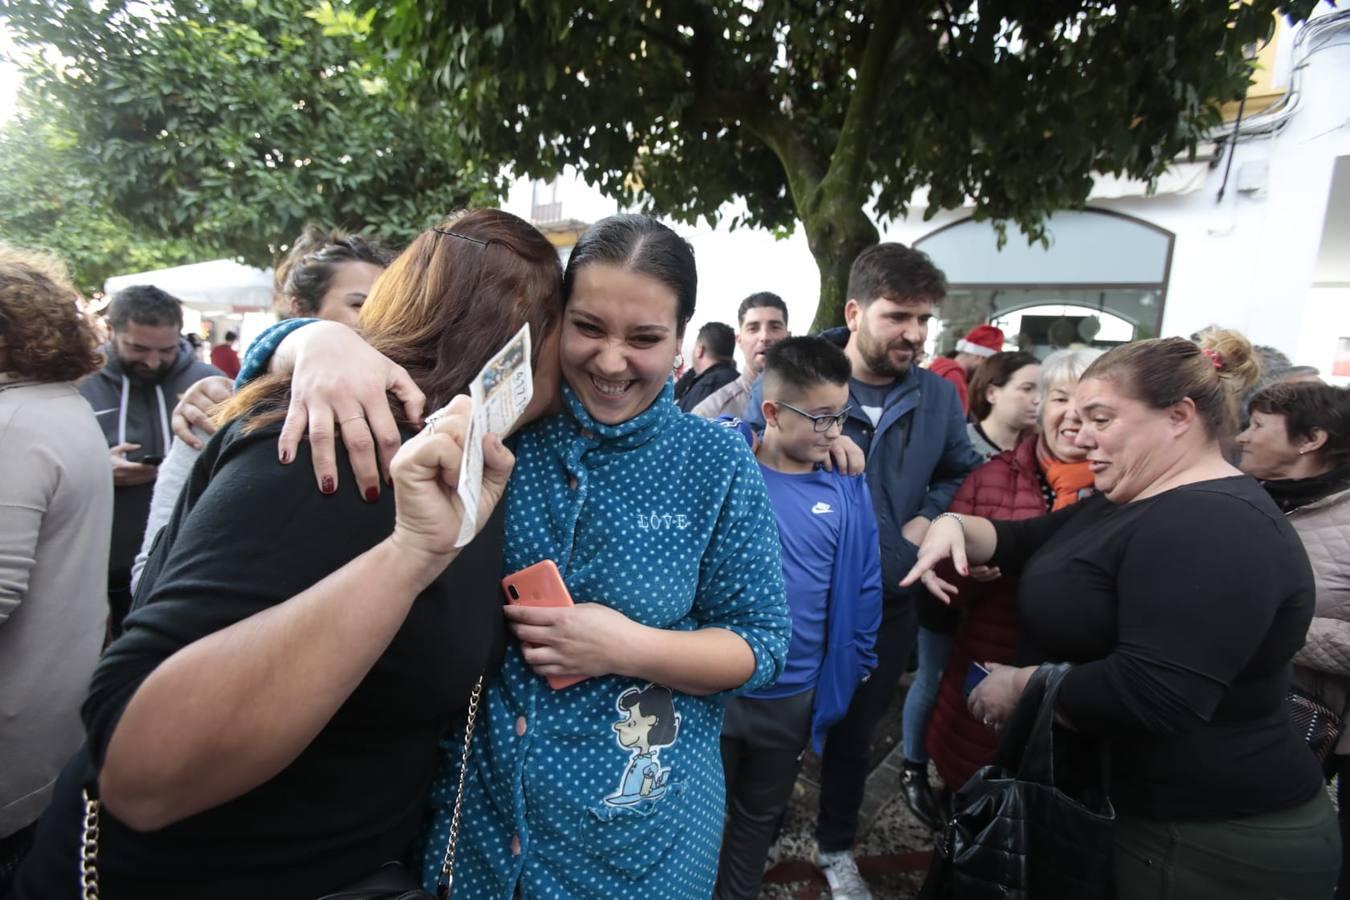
(832, 569)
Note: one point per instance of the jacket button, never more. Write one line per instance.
(515, 845)
(520, 727)
(587, 434)
(572, 482)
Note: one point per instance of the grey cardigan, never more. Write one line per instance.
(56, 500)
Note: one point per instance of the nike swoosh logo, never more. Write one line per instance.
(821, 509)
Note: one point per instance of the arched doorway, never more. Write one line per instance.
(1102, 281)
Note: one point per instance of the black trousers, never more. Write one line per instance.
(844, 768)
(762, 746)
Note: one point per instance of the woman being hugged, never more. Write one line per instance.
(326, 275)
(268, 725)
(1181, 593)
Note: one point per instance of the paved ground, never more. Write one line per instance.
(892, 846)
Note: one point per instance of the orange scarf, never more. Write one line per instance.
(1071, 481)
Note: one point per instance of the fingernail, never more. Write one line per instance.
(328, 486)
(372, 494)
(965, 570)
(285, 456)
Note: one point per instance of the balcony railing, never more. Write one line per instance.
(544, 213)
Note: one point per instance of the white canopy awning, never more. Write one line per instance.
(219, 285)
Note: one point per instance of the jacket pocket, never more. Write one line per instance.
(637, 839)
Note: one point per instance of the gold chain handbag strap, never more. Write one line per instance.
(89, 848)
(447, 879)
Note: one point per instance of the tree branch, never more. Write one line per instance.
(848, 165)
(751, 106)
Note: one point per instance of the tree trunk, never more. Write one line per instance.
(837, 232)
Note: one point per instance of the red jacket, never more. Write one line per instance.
(951, 370)
(225, 359)
(1006, 487)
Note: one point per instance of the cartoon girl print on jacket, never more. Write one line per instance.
(651, 724)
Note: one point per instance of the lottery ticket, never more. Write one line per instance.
(500, 393)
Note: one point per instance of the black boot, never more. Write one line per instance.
(919, 794)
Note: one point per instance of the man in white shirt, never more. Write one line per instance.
(761, 323)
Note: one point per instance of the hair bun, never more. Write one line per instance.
(1233, 357)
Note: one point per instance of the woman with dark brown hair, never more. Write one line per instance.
(268, 725)
(55, 519)
(325, 275)
(1297, 444)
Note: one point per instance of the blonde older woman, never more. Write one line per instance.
(1181, 594)
(1044, 472)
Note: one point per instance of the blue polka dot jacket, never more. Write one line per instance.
(613, 787)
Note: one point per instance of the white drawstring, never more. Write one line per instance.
(122, 411)
(163, 419)
(165, 434)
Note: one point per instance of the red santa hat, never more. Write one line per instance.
(982, 340)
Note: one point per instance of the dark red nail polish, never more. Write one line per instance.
(285, 456)
(372, 494)
(328, 486)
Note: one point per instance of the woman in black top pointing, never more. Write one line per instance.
(1181, 594)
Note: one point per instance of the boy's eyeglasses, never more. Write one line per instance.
(821, 423)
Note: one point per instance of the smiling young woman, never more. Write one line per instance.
(619, 340)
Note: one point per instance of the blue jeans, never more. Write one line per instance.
(934, 648)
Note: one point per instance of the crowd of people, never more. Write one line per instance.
(241, 653)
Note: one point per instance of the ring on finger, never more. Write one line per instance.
(434, 418)
(351, 418)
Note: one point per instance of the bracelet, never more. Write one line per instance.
(952, 515)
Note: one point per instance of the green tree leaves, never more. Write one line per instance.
(231, 125)
(816, 110)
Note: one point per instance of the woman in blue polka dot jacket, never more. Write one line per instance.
(661, 527)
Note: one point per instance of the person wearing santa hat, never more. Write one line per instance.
(980, 343)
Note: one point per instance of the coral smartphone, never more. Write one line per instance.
(974, 675)
(541, 585)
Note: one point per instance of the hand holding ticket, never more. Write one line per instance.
(500, 393)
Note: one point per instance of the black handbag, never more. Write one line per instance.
(1036, 824)
(392, 881)
(1319, 727)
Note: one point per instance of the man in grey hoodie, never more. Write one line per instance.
(149, 365)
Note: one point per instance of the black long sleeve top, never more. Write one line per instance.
(248, 534)
(1181, 612)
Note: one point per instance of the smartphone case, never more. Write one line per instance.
(974, 675)
(541, 585)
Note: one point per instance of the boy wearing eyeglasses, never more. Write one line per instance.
(832, 568)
